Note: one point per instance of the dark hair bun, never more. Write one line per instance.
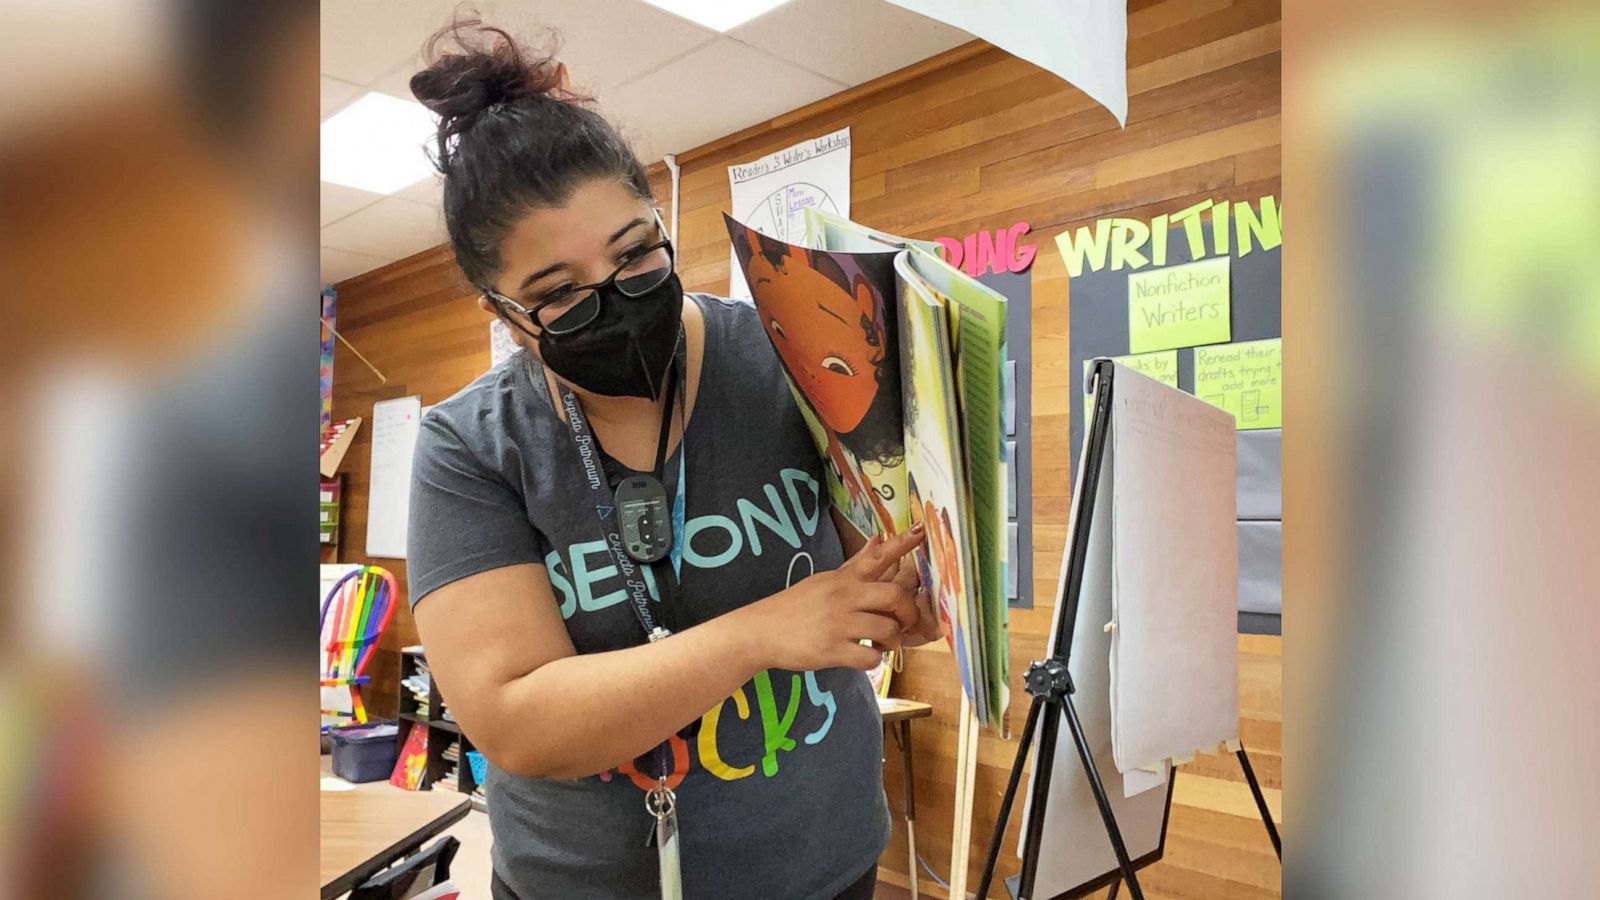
(474, 68)
(512, 137)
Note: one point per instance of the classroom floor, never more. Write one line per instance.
(471, 867)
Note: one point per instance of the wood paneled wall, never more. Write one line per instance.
(972, 139)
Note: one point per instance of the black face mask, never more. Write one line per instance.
(626, 351)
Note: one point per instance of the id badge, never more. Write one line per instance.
(663, 805)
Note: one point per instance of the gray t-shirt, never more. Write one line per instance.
(782, 791)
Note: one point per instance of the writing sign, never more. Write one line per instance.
(1245, 379)
(1179, 306)
(1133, 243)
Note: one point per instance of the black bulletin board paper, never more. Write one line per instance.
(1018, 290)
(1098, 305)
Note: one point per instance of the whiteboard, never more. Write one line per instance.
(1074, 847)
(395, 425)
(1175, 570)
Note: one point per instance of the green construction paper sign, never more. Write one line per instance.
(1161, 365)
(1179, 306)
(1245, 379)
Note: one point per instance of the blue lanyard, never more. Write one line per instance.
(677, 509)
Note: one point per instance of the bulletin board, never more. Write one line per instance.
(1123, 277)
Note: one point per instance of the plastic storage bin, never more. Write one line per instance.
(365, 752)
(480, 766)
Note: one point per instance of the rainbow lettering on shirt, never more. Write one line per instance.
(774, 717)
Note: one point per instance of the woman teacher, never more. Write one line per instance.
(620, 556)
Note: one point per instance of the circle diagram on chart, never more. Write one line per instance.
(782, 213)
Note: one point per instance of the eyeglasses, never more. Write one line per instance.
(575, 308)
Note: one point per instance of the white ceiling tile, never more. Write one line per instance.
(429, 191)
(848, 40)
(339, 201)
(390, 228)
(336, 93)
(714, 91)
(672, 85)
(337, 265)
(397, 81)
(363, 39)
(604, 42)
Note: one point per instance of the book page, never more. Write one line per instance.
(827, 231)
(936, 478)
(978, 322)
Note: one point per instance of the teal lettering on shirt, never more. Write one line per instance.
(587, 578)
(808, 521)
(558, 580)
(777, 520)
(824, 699)
(695, 557)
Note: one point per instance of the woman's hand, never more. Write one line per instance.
(820, 622)
(927, 627)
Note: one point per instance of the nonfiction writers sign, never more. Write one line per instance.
(1178, 306)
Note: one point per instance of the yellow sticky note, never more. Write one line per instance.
(1245, 379)
(1161, 365)
(1179, 306)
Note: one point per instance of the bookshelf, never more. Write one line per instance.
(428, 710)
(331, 493)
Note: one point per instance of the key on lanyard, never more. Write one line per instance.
(662, 803)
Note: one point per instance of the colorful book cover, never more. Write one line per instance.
(830, 316)
(880, 676)
(412, 767)
(936, 476)
(978, 322)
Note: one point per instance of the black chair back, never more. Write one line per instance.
(412, 875)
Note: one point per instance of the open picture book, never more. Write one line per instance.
(896, 361)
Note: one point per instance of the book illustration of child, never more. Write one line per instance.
(829, 325)
(931, 557)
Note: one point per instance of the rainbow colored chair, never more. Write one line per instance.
(365, 604)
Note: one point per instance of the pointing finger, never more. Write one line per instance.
(880, 557)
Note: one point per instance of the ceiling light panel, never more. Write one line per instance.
(377, 144)
(718, 15)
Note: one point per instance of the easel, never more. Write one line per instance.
(1050, 685)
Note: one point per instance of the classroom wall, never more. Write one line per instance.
(973, 139)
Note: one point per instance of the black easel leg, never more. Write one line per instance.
(1112, 894)
(1033, 835)
(1000, 821)
(1112, 831)
(1261, 802)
